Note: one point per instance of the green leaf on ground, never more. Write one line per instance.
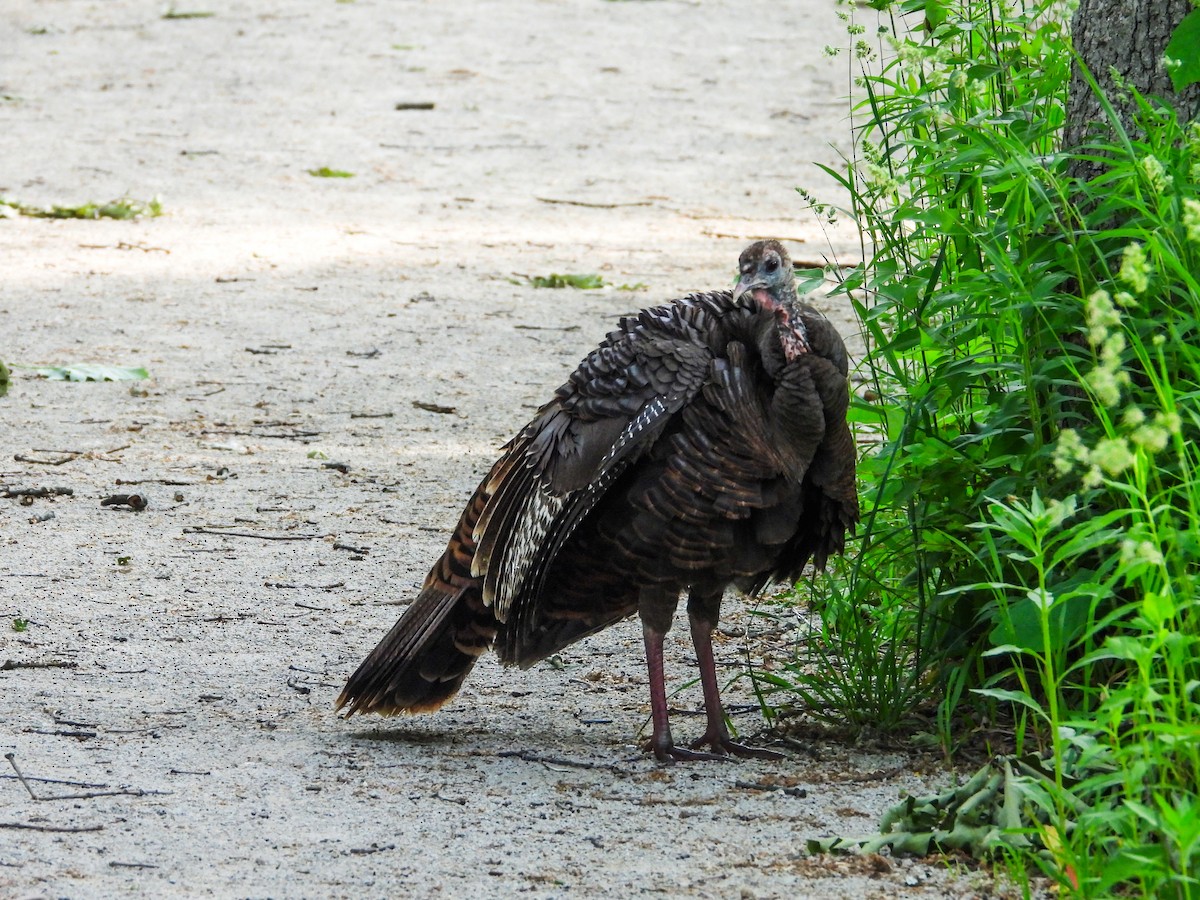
(326, 172)
(90, 372)
(121, 208)
(173, 13)
(580, 282)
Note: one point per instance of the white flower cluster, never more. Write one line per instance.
(1191, 220)
(1111, 457)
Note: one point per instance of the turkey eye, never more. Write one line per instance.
(772, 264)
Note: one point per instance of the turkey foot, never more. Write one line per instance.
(668, 752)
(675, 754)
(662, 743)
(723, 747)
(717, 735)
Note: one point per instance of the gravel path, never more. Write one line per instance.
(174, 685)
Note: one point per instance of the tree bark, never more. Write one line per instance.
(1128, 36)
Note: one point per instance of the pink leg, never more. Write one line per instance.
(661, 741)
(717, 733)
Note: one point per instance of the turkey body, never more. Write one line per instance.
(703, 444)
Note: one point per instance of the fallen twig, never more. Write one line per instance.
(83, 784)
(167, 481)
(71, 829)
(203, 529)
(591, 205)
(78, 735)
(39, 492)
(209, 394)
(62, 460)
(766, 786)
(125, 245)
(283, 435)
(433, 407)
(530, 756)
(136, 502)
(37, 664)
(287, 585)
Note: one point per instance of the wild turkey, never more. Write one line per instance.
(703, 444)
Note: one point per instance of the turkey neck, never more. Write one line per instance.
(789, 328)
(777, 333)
(780, 337)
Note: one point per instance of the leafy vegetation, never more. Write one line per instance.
(20, 624)
(326, 172)
(1026, 565)
(554, 280)
(121, 208)
(986, 813)
(88, 372)
(579, 282)
(1182, 60)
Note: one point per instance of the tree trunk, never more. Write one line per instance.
(1128, 36)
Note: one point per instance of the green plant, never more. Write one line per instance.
(948, 188)
(326, 172)
(20, 624)
(121, 208)
(88, 372)
(859, 667)
(579, 282)
(1030, 424)
(1181, 59)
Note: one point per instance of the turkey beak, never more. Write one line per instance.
(744, 286)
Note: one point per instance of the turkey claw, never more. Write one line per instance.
(724, 747)
(673, 754)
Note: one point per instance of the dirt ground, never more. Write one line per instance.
(171, 699)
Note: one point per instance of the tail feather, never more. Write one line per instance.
(422, 662)
(417, 666)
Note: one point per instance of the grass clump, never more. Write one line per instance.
(1029, 422)
(555, 280)
(121, 208)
